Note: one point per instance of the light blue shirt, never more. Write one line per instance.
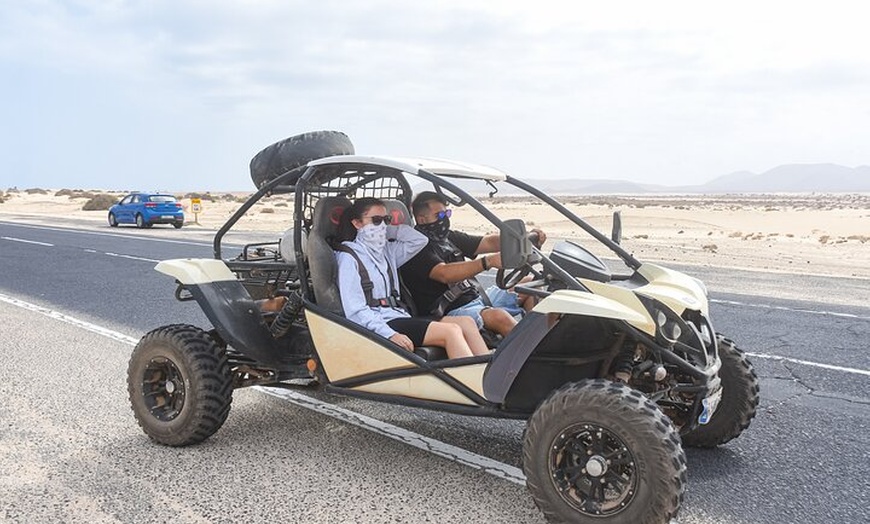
(403, 242)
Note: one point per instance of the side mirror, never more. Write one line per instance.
(616, 233)
(514, 243)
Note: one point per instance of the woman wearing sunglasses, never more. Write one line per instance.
(381, 248)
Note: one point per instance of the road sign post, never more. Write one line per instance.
(196, 207)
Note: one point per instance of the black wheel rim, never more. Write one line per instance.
(163, 389)
(593, 470)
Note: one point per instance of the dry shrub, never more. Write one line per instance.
(641, 236)
(201, 196)
(281, 204)
(824, 239)
(2, 198)
(36, 191)
(736, 234)
(859, 238)
(100, 202)
(267, 210)
(75, 193)
(710, 247)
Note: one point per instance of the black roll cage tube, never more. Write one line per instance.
(253, 199)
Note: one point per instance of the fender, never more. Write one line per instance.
(228, 306)
(196, 271)
(571, 302)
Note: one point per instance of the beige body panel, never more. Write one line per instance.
(194, 271)
(621, 306)
(344, 353)
(676, 290)
(425, 387)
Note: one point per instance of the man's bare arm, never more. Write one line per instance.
(450, 272)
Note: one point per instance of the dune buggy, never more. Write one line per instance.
(614, 371)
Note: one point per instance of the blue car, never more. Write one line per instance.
(147, 209)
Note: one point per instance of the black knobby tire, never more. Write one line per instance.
(294, 152)
(140, 222)
(113, 222)
(179, 384)
(740, 393)
(634, 469)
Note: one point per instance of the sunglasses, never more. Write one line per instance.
(377, 219)
(441, 215)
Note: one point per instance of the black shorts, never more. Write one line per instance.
(412, 327)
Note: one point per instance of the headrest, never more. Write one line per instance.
(399, 212)
(286, 246)
(327, 213)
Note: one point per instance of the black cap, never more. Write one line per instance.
(421, 201)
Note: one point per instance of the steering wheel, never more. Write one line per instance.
(517, 274)
(513, 277)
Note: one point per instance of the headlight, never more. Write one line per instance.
(668, 328)
(661, 318)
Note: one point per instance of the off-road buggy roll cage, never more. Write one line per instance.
(515, 381)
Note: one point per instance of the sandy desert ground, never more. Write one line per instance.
(820, 234)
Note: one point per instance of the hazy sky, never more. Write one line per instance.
(179, 95)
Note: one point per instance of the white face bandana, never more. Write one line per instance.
(373, 237)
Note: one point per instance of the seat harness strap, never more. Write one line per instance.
(394, 300)
(450, 253)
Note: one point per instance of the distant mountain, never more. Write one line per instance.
(789, 178)
(792, 178)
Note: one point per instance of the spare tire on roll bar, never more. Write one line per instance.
(294, 152)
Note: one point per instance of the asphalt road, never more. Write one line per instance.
(73, 302)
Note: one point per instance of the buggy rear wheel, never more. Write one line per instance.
(600, 452)
(179, 384)
(739, 400)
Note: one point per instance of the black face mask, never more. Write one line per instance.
(437, 230)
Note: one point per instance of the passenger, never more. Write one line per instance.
(381, 249)
(438, 276)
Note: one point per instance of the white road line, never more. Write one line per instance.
(131, 257)
(13, 239)
(115, 235)
(69, 320)
(809, 363)
(783, 308)
(442, 449)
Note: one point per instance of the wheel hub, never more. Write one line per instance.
(593, 470)
(163, 389)
(596, 466)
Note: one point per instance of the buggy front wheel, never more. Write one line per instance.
(740, 393)
(179, 384)
(599, 452)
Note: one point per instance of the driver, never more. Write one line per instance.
(441, 279)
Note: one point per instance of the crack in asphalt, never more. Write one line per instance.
(810, 390)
